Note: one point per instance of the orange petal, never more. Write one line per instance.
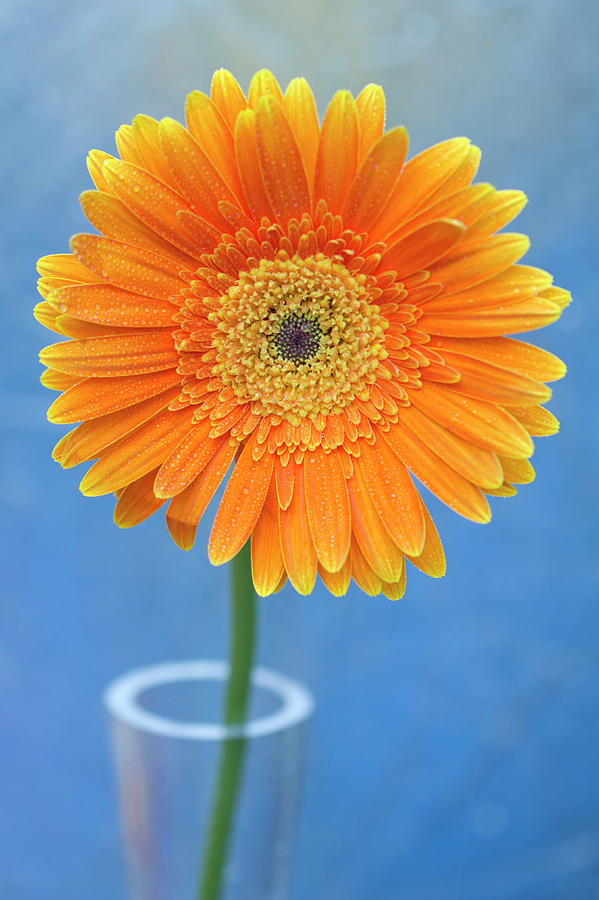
(263, 84)
(422, 247)
(362, 573)
(515, 283)
(300, 109)
(131, 268)
(514, 318)
(58, 381)
(186, 460)
(515, 356)
(396, 590)
(208, 127)
(380, 551)
(187, 508)
(136, 453)
(196, 177)
(107, 305)
(285, 478)
(151, 201)
(538, 422)
(461, 206)
(228, 96)
(95, 397)
(281, 163)
(421, 176)
(65, 267)
(483, 423)
(337, 158)
(47, 316)
(296, 541)
(146, 133)
(517, 471)
(89, 439)
(128, 354)
(453, 489)
(125, 144)
(267, 561)
(370, 191)
(478, 262)
(393, 494)
(112, 219)
(95, 161)
(137, 502)
(459, 179)
(370, 104)
(432, 559)
(477, 465)
(489, 382)
(327, 505)
(241, 504)
(204, 235)
(500, 208)
(337, 582)
(246, 154)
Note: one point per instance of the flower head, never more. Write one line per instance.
(297, 303)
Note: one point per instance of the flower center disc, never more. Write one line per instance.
(297, 337)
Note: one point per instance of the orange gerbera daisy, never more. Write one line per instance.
(299, 302)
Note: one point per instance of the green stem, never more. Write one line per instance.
(243, 627)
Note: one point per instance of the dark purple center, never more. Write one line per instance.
(298, 339)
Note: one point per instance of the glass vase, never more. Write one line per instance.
(166, 764)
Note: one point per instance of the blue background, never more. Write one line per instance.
(454, 749)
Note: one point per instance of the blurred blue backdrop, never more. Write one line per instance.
(454, 750)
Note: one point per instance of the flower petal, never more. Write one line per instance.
(228, 96)
(362, 573)
(296, 540)
(130, 268)
(128, 354)
(186, 460)
(538, 422)
(477, 421)
(187, 508)
(136, 453)
(195, 175)
(88, 440)
(478, 262)
(479, 466)
(337, 158)
(108, 305)
(513, 318)
(420, 178)
(246, 154)
(370, 191)
(327, 505)
(393, 494)
(432, 559)
(380, 551)
(281, 163)
(454, 490)
(241, 504)
(212, 133)
(146, 133)
(370, 104)
(300, 109)
(95, 397)
(267, 561)
(489, 382)
(337, 582)
(422, 247)
(263, 84)
(515, 356)
(137, 502)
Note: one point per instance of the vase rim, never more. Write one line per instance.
(121, 699)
